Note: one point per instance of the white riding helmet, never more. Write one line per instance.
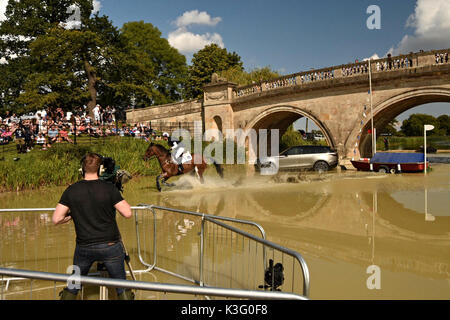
(165, 134)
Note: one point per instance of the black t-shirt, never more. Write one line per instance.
(19, 133)
(92, 209)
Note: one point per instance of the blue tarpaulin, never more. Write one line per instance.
(388, 157)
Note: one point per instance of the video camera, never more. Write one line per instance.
(113, 174)
(110, 172)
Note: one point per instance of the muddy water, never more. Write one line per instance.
(341, 223)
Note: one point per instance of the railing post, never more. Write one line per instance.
(202, 248)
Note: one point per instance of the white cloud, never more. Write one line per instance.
(3, 4)
(196, 17)
(188, 42)
(373, 57)
(431, 23)
(97, 6)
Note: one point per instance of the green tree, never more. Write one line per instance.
(291, 138)
(444, 124)
(413, 126)
(211, 59)
(147, 67)
(66, 68)
(390, 128)
(26, 20)
(241, 77)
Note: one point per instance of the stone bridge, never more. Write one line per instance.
(337, 99)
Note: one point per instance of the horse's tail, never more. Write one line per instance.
(218, 167)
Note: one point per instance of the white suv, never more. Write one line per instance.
(318, 158)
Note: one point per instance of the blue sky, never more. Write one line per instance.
(288, 35)
(292, 35)
(295, 35)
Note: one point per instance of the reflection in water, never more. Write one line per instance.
(341, 223)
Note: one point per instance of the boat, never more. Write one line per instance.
(392, 162)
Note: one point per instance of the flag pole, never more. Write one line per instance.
(426, 127)
(371, 108)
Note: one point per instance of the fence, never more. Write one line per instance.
(139, 285)
(11, 147)
(189, 246)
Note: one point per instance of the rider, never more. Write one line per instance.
(177, 151)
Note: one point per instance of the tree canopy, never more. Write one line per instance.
(50, 64)
(58, 53)
(241, 77)
(148, 67)
(414, 125)
(211, 59)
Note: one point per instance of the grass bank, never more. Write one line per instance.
(414, 143)
(60, 164)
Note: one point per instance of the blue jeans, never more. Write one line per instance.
(112, 255)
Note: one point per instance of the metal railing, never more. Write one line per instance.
(191, 246)
(304, 282)
(388, 64)
(153, 209)
(245, 251)
(148, 286)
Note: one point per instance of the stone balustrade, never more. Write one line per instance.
(388, 64)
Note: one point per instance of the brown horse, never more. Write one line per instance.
(170, 169)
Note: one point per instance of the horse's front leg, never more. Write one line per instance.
(166, 177)
(158, 186)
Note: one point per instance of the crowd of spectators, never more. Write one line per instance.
(267, 85)
(393, 64)
(390, 63)
(47, 127)
(355, 69)
(314, 76)
(441, 58)
(285, 82)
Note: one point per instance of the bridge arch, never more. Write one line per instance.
(217, 124)
(281, 117)
(390, 108)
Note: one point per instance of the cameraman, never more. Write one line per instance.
(92, 205)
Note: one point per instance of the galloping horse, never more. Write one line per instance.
(170, 169)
